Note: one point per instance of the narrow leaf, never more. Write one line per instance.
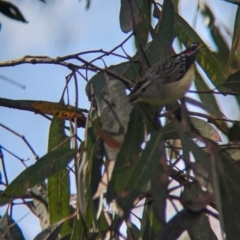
(234, 132)
(50, 233)
(205, 58)
(177, 225)
(205, 129)
(128, 154)
(11, 11)
(59, 184)
(9, 228)
(128, 13)
(233, 82)
(142, 171)
(233, 60)
(228, 175)
(45, 167)
(143, 24)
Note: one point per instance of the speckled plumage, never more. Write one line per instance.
(167, 81)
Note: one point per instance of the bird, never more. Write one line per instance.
(166, 82)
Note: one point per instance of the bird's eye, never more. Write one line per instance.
(143, 89)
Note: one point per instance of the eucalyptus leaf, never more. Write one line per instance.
(11, 11)
(9, 228)
(46, 166)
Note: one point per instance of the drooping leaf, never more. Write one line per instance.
(11, 11)
(133, 232)
(208, 108)
(58, 184)
(128, 155)
(224, 175)
(45, 167)
(159, 184)
(143, 24)
(175, 4)
(79, 232)
(234, 132)
(206, 130)
(233, 82)
(222, 53)
(141, 172)
(234, 154)
(160, 47)
(210, 100)
(201, 229)
(85, 202)
(66, 237)
(233, 1)
(50, 233)
(150, 225)
(182, 221)
(9, 228)
(114, 108)
(128, 13)
(189, 145)
(228, 175)
(233, 60)
(205, 58)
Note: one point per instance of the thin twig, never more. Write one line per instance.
(23, 138)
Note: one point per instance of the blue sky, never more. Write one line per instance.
(55, 29)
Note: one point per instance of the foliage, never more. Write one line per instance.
(129, 159)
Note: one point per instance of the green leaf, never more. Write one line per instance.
(228, 175)
(86, 185)
(205, 58)
(66, 237)
(150, 225)
(143, 23)
(160, 47)
(11, 11)
(223, 52)
(189, 146)
(233, 60)
(128, 155)
(133, 232)
(206, 107)
(127, 69)
(9, 229)
(206, 98)
(233, 82)
(225, 176)
(201, 229)
(206, 130)
(178, 224)
(50, 233)
(210, 100)
(233, 1)
(234, 132)
(128, 13)
(78, 229)
(45, 167)
(159, 185)
(141, 172)
(175, 4)
(58, 184)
